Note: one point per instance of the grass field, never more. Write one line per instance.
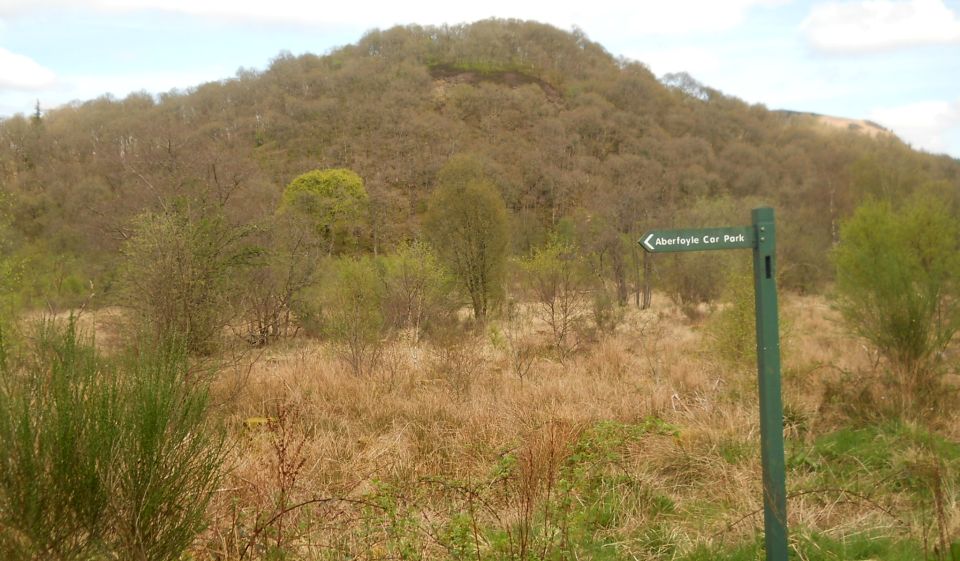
(641, 444)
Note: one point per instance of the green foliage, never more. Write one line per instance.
(335, 200)
(102, 458)
(578, 511)
(732, 328)
(558, 278)
(815, 546)
(11, 274)
(897, 287)
(466, 223)
(57, 280)
(352, 312)
(179, 273)
(418, 290)
(168, 465)
(58, 435)
(399, 522)
(895, 455)
(595, 495)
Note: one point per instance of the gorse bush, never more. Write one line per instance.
(102, 458)
(898, 282)
(58, 435)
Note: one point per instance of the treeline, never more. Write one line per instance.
(408, 188)
(572, 139)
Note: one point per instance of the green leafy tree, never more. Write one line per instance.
(897, 286)
(336, 201)
(466, 222)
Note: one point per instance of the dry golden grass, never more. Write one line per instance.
(303, 428)
(426, 414)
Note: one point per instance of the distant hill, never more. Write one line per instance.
(574, 137)
(862, 126)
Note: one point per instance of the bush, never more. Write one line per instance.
(352, 313)
(418, 290)
(336, 202)
(102, 458)
(179, 274)
(897, 287)
(556, 274)
(272, 286)
(732, 329)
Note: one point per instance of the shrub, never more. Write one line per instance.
(558, 279)
(418, 290)
(352, 315)
(897, 287)
(732, 329)
(102, 458)
(278, 278)
(179, 274)
(335, 200)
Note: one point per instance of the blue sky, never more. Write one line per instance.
(896, 62)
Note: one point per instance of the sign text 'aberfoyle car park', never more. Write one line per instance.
(702, 239)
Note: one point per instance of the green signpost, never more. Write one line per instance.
(761, 237)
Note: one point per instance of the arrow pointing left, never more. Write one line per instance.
(646, 243)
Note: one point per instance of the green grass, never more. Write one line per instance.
(814, 546)
(897, 456)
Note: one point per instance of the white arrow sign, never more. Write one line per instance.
(646, 242)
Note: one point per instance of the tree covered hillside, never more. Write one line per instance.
(574, 139)
(388, 303)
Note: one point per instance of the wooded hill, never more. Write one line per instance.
(575, 139)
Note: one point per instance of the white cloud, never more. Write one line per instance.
(86, 87)
(875, 25)
(929, 125)
(696, 61)
(83, 87)
(19, 72)
(637, 16)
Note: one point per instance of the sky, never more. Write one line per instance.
(896, 62)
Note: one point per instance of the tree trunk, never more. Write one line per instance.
(647, 288)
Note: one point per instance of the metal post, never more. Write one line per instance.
(768, 372)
